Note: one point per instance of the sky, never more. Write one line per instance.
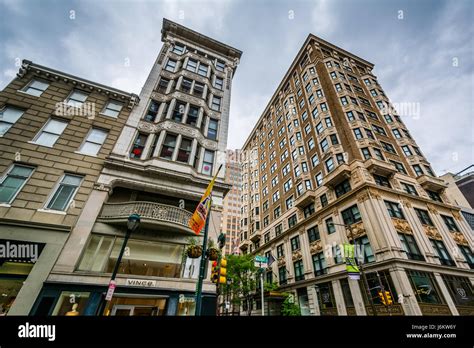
(422, 51)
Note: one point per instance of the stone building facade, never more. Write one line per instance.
(171, 145)
(330, 161)
(55, 132)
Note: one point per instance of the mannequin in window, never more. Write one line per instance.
(74, 311)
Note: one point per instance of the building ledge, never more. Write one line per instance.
(338, 175)
(431, 183)
(375, 166)
(305, 198)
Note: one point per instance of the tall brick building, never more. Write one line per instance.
(171, 145)
(330, 161)
(55, 132)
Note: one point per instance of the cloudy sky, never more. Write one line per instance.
(422, 51)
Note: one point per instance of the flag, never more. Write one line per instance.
(351, 265)
(197, 221)
(271, 259)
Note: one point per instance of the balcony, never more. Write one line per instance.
(255, 236)
(305, 198)
(338, 175)
(431, 183)
(375, 166)
(244, 245)
(151, 214)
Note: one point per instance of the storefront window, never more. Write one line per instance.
(186, 305)
(375, 282)
(460, 289)
(325, 296)
(424, 287)
(346, 293)
(157, 259)
(122, 305)
(71, 303)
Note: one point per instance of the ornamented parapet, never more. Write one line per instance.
(402, 225)
(432, 232)
(297, 255)
(358, 230)
(459, 238)
(316, 246)
(281, 261)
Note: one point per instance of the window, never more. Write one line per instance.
(368, 254)
(443, 254)
(304, 167)
(388, 147)
(407, 151)
(468, 255)
(323, 107)
(351, 215)
(410, 247)
(424, 217)
(342, 188)
(378, 154)
(313, 234)
(394, 210)
(76, 98)
(13, 182)
(202, 70)
(280, 251)
(289, 203)
(397, 133)
(299, 271)
(170, 65)
(434, 196)
(276, 196)
(178, 111)
(344, 101)
(212, 129)
(299, 188)
(186, 85)
(319, 179)
(350, 116)
(461, 290)
(417, 151)
(410, 189)
(308, 210)
(450, 224)
(358, 133)
(64, 192)
(295, 243)
(216, 103)
(191, 65)
(382, 181)
(418, 170)
(168, 146)
(366, 153)
(278, 229)
(311, 144)
(93, 142)
(282, 275)
(324, 145)
(198, 90)
(319, 127)
(329, 164)
(399, 167)
(369, 134)
(36, 87)
(315, 160)
(337, 252)
(319, 264)
(50, 132)
(163, 84)
(152, 111)
(330, 227)
(220, 66)
(192, 117)
(334, 140)
(288, 185)
(219, 83)
(338, 87)
(8, 117)
(276, 212)
(324, 200)
(424, 287)
(208, 162)
(184, 150)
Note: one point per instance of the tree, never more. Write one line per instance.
(241, 272)
(289, 308)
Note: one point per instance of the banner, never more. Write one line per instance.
(197, 221)
(351, 265)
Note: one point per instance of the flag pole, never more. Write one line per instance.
(202, 267)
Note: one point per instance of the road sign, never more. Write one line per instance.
(259, 258)
(260, 264)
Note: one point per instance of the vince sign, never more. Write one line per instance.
(146, 283)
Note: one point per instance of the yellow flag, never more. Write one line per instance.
(197, 221)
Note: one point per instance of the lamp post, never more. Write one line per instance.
(359, 265)
(132, 225)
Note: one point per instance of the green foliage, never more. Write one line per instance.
(270, 286)
(290, 309)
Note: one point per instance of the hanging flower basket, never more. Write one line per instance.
(213, 254)
(194, 251)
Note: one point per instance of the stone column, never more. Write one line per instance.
(313, 301)
(147, 148)
(193, 152)
(339, 298)
(176, 148)
(159, 143)
(357, 296)
(403, 287)
(170, 108)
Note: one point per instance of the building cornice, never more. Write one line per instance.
(28, 65)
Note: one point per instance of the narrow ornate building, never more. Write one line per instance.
(330, 161)
(171, 145)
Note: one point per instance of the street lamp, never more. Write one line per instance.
(359, 265)
(132, 225)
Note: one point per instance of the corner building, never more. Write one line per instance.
(329, 155)
(170, 147)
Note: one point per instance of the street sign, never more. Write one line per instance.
(260, 264)
(261, 261)
(110, 291)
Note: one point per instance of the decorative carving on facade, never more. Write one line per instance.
(406, 203)
(432, 232)
(358, 230)
(297, 255)
(459, 238)
(362, 197)
(374, 193)
(25, 65)
(431, 209)
(402, 225)
(102, 187)
(316, 246)
(281, 261)
(456, 215)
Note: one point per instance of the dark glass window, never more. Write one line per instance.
(319, 264)
(424, 287)
(394, 210)
(442, 252)
(342, 188)
(313, 234)
(351, 215)
(410, 247)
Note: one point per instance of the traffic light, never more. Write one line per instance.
(385, 297)
(223, 271)
(215, 272)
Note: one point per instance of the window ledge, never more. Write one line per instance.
(85, 154)
(31, 95)
(35, 143)
(51, 211)
(5, 205)
(114, 117)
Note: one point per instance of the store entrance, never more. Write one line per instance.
(136, 306)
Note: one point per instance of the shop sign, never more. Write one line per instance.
(146, 283)
(110, 291)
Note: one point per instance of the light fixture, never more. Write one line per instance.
(133, 222)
